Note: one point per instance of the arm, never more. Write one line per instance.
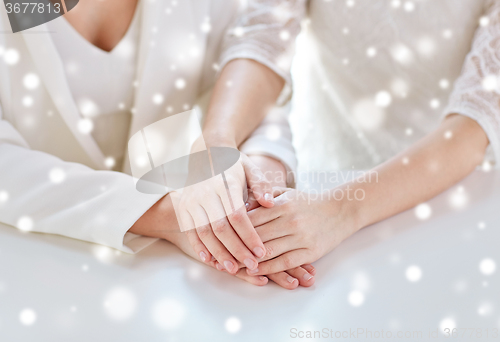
(49, 195)
(242, 96)
(248, 86)
(264, 32)
(313, 228)
(429, 167)
(452, 151)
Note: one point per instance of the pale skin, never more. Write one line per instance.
(225, 100)
(299, 233)
(434, 164)
(241, 108)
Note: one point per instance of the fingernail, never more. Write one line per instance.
(219, 267)
(290, 279)
(262, 278)
(212, 259)
(203, 256)
(228, 265)
(247, 205)
(268, 197)
(253, 271)
(307, 277)
(250, 264)
(259, 252)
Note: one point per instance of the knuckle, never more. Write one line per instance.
(219, 255)
(255, 186)
(269, 251)
(288, 262)
(241, 253)
(198, 246)
(219, 227)
(236, 217)
(203, 231)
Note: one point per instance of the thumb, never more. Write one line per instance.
(258, 183)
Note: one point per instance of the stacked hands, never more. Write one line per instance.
(275, 234)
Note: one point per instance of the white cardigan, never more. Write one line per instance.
(52, 176)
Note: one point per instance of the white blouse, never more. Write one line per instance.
(101, 82)
(372, 77)
(45, 151)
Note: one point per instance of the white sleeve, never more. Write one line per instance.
(273, 138)
(476, 92)
(265, 31)
(42, 193)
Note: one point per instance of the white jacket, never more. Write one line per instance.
(82, 199)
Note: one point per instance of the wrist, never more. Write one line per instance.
(349, 203)
(159, 221)
(219, 139)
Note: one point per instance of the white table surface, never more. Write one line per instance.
(85, 292)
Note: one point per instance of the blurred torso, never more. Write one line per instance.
(372, 77)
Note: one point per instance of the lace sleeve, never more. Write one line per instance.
(476, 92)
(265, 31)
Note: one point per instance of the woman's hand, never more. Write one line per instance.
(160, 222)
(300, 228)
(275, 172)
(214, 216)
(291, 279)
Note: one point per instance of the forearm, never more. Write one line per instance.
(242, 96)
(159, 221)
(429, 167)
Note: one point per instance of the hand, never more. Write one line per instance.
(276, 173)
(160, 222)
(300, 229)
(291, 279)
(214, 217)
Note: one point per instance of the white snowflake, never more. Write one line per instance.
(31, 81)
(413, 273)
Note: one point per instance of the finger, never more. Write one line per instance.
(263, 215)
(284, 280)
(251, 202)
(259, 280)
(210, 241)
(284, 262)
(272, 230)
(198, 246)
(310, 269)
(279, 190)
(277, 247)
(184, 219)
(241, 224)
(258, 183)
(228, 237)
(305, 278)
(217, 249)
(232, 188)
